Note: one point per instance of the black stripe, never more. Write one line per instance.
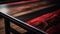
(37, 13)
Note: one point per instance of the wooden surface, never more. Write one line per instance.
(2, 28)
(22, 8)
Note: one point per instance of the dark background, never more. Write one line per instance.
(7, 1)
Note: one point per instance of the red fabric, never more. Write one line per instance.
(43, 18)
(51, 30)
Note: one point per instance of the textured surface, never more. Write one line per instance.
(24, 9)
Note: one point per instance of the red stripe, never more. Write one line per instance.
(43, 18)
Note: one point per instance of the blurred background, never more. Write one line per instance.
(28, 10)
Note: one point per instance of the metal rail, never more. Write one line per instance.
(8, 29)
